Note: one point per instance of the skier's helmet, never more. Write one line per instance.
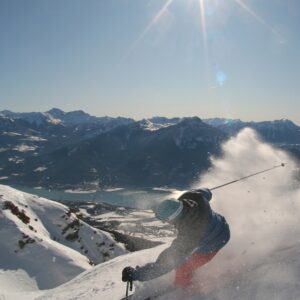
(169, 210)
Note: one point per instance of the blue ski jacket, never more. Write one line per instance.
(200, 230)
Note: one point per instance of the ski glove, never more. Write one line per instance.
(127, 274)
(205, 192)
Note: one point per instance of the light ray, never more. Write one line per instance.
(156, 18)
(243, 5)
(203, 27)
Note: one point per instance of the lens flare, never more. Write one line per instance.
(221, 77)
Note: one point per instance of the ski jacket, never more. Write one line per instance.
(200, 230)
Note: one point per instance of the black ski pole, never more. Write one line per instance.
(127, 288)
(245, 177)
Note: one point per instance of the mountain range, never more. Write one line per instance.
(58, 149)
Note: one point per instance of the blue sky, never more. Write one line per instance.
(131, 58)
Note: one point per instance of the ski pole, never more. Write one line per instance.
(128, 287)
(242, 178)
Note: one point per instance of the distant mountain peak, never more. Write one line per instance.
(191, 121)
(157, 123)
(286, 121)
(55, 111)
(222, 121)
(164, 120)
(6, 111)
(78, 112)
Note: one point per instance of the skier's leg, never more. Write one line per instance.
(184, 273)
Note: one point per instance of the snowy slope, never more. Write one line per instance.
(104, 281)
(274, 277)
(101, 282)
(37, 234)
(16, 281)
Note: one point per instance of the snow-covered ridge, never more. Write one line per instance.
(236, 124)
(215, 122)
(39, 234)
(148, 125)
(157, 123)
(56, 116)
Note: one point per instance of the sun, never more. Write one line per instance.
(202, 6)
(206, 9)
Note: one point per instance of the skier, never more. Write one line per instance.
(201, 234)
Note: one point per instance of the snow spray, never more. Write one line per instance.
(262, 211)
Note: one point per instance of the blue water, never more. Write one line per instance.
(142, 199)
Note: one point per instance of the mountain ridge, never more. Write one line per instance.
(114, 152)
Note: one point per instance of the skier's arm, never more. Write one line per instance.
(166, 262)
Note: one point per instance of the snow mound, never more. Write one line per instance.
(48, 241)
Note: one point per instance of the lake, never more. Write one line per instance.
(142, 199)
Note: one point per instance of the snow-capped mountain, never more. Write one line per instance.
(128, 156)
(156, 123)
(278, 131)
(282, 133)
(219, 122)
(58, 116)
(44, 132)
(47, 241)
(36, 148)
(33, 134)
(37, 118)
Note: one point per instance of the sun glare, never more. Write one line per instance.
(206, 10)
